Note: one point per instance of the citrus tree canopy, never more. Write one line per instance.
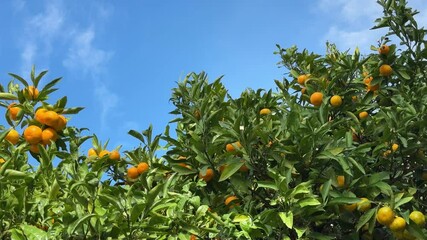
(336, 151)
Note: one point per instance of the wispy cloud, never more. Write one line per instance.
(84, 55)
(28, 55)
(54, 30)
(355, 18)
(39, 33)
(352, 11)
(345, 40)
(107, 101)
(18, 5)
(48, 23)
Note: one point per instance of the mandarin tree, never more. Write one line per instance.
(335, 152)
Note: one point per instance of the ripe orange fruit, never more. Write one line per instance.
(316, 98)
(230, 148)
(50, 118)
(49, 134)
(385, 70)
(39, 115)
(265, 111)
(31, 93)
(302, 78)
(33, 134)
(114, 155)
(207, 176)
(367, 80)
(363, 115)
(383, 50)
(303, 90)
(394, 147)
(133, 173)
(222, 167)
(398, 224)
(12, 136)
(418, 217)
(103, 153)
(336, 101)
(244, 168)
(230, 199)
(386, 153)
(61, 123)
(364, 205)
(142, 167)
(350, 207)
(193, 237)
(13, 111)
(197, 114)
(385, 215)
(34, 148)
(372, 88)
(184, 165)
(340, 181)
(92, 152)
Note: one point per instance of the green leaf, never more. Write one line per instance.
(72, 227)
(73, 110)
(343, 200)
(357, 165)
(300, 231)
(17, 234)
(345, 167)
(229, 170)
(287, 218)
(112, 200)
(32, 232)
(353, 117)
(365, 218)
(325, 189)
(137, 135)
(294, 73)
(308, 202)
(8, 96)
(240, 218)
(14, 174)
(403, 201)
(267, 184)
(415, 230)
(151, 196)
(336, 151)
(19, 78)
(136, 211)
(376, 177)
(54, 190)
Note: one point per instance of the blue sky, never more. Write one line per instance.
(120, 59)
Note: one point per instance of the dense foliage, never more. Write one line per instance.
(336, 152)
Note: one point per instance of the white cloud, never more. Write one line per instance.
(52, 30)
(353, 11)
(351, 39)
(84, 55)
(28, 56)
(48, 23)
(40, 31)
(18, 5)
(107, 100)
